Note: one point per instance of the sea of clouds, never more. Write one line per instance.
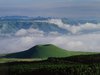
(82, 37)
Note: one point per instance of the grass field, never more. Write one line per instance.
(54, 66)
(5, 60)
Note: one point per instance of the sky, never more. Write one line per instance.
(57, 8)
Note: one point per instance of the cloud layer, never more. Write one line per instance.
(24, 41)
(75, 29)
(81, 37)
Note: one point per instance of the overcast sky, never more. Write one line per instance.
(58, 8)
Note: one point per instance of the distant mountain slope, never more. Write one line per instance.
(12, 24)
(44, 51)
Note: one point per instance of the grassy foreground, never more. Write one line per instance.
(6, 60)
(75, 65)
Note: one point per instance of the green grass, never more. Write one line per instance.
(49, 68)
(74, 65)
(5, 60)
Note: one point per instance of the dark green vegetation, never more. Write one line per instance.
(75, 65)
(44, 51)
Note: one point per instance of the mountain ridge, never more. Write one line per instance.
(44, 51)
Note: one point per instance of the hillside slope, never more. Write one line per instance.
(44, 51)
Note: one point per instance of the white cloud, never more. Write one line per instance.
(73, 44)
(21, 32)
(74, 29)
(55, 33)
(29, 32)
(86, 42)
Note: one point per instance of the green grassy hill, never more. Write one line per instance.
(44, 51)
